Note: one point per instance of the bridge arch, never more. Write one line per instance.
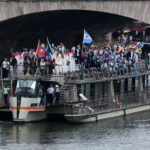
(138, 10)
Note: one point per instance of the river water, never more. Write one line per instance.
(130, 133)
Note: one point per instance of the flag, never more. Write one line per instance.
(48, 47)
(48, 52)
(41, 49)
(87, 38)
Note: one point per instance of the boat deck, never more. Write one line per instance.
(90, 75)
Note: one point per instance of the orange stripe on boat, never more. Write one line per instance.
(12, 107)
(28, 108)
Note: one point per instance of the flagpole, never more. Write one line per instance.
(49, 43)
(37, 48)
(83, 40)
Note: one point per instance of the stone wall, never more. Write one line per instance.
(138, 10)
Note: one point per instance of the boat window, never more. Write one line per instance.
(26, 87)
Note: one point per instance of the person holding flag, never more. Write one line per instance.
(48, 52)
(41, 49)
(87, 38)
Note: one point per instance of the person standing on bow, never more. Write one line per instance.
(50, 94)
(5, 92)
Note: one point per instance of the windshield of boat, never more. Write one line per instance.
(26, 87)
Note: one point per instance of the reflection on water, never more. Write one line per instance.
(132, 132)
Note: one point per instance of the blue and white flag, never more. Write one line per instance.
(87, 38)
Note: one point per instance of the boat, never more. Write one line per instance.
(85, 95)
(25, 105)
(87, 114)
(25, 102)
(126, 94)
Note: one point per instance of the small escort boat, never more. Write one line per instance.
(79, 112)
(83, 114)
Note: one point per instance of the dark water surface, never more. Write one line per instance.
(131, 133)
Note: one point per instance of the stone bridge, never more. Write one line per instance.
(135, 9)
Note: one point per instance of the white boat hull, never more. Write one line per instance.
(81, 118)
(28, 110)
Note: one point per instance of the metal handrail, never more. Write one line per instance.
(142, 66)
(101, 74)
(107, 106)
(64, 85)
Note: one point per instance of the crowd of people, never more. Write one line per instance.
(49, 95)
(111, 57)
(61, 60)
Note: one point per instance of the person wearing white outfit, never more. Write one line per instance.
(20, 67)
(42, 67)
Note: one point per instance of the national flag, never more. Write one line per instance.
(48, 52)
(41, 49)
(87, 38)
(48, 47)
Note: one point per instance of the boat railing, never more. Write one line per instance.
(135, 69)
(33, 71)
(132, 70)
(122, 101)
